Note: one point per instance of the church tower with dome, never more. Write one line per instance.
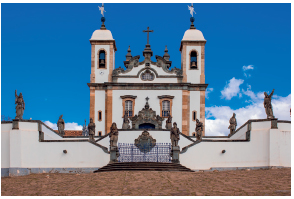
(178, 92)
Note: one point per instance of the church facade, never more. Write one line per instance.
(178, 92)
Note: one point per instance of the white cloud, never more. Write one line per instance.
(208, 90)
(67, 126)
(245, 68)
(232, 89)
(218, 125)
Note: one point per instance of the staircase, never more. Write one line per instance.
(143, 166)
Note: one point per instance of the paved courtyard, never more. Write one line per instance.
(272, 182)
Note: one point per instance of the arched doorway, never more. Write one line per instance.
(146, 126)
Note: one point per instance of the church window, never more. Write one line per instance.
(165, 108)
(99, 116)
(147, 76)
(102, 62)
(193, 60)
(194, 134)
(194, 115)
(129, 108)
(99, 133)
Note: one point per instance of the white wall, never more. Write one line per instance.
(117, 109)
(5, 147)
(104, 77)
(99, 105)
(193, 76)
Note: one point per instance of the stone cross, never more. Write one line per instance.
(147, 34)
(147, 98)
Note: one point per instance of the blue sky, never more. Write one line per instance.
(46, 53)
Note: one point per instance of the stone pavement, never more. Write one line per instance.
(272, 182)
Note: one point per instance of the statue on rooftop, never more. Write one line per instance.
(113, 135)
(233, 124)
(85, 130)
(91, 129)
(60, 125)
(168, 122)
(268, 105)
(20, 105)
(175, 135)
(126, 122)
(102, 9)
(199, 129)
(191, 8)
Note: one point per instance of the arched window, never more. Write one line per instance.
(99, 133)
(129, 108)
(102, 59)
(194, 134)
(165, 108)
(147, 76)
(193, 60)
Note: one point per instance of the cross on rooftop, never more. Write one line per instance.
(147, 98)
(147, 34)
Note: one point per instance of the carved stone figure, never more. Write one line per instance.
(126, 122)
(60, 125)
(85, 130)
(145, 139)
(168, 122)
(268, 105)
(91, 129)
(113, 135)
(175, 135)
(233, 124)
(20, 105)
(199, 129)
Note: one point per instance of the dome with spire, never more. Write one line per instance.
(101, 35)
(193, 35)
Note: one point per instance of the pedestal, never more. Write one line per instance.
(15, 124)
(168, 126)
(126, 126)
(175, 154)
(114, 154)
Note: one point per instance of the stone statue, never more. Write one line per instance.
(126, 124)
(60, 125)
(168, 124)
(91, 130)
(85, 130)
(268, 105)
(102, 9)
(20, 105)
(191, 9)
(233, 124)
(199, 129)
(175, 135)
(113, 135)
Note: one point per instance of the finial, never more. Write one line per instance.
(147, 51)
(192, 19)
(129, 55)
(147, 104)
(166, 55)
(102, 18)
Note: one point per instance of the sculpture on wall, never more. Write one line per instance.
(168, 124)
(126, 122)
(175, 135)
(268, 105)
(145, 142)
(199, 129)
(60, 125)
(85, 130)
(20, 105)
(233, 124)
(113, 135)
(91, 129)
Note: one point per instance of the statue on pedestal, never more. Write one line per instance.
(199, 129)
(268, 105)
(126, 122)
(60, 125)
(91, 129)
(113, 135)
(233, 124)
(168, 124)
(175, 135)
(20, 105)
(85, 130)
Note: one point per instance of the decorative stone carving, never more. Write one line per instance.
(168, 122)
(91, 129)
(60, 125)
(113, 135)
(126, 122)
(175, 135)
(20, 105)
(161, 62)
(147, 115)
(85, 130)
(199, 129)
(268, 105)
(145, 142)
(233, 124)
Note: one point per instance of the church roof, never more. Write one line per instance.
(101, 35)
(193, 35)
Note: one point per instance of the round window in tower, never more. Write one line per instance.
(147, 76)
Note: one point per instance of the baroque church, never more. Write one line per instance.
(178, 92)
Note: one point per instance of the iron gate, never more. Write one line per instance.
(160, 152)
